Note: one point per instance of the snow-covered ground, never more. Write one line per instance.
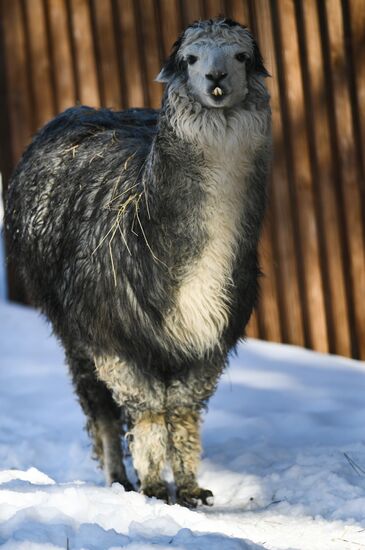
(284, 454)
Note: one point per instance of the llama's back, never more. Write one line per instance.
(61, 196)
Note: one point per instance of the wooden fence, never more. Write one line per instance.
(54, 53)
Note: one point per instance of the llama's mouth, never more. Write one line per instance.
(217, 97)
(218, 94)
(217, 91)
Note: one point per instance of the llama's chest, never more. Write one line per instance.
(202, 305)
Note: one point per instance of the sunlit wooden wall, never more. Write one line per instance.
(55, 53)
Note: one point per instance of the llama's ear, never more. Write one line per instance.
(161, 77)
(257, 63)
(167, 72)
(174, 65)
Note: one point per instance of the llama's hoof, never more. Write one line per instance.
(158, 490)
(127, 485)
(191, 497)
(122, 481)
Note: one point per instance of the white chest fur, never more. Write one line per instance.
(201, 312)
(229, 144)
(202, 305)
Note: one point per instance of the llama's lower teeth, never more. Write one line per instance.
(217, 91)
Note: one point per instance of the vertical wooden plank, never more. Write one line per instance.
(152, 54)
(87, 82)
(252, 329)
(332, 31)
(238, 10)
(61, 55)
(268, 314)
(134, 88)
(283, 244)
(269, 317)
(354, 31)
(327, 210)
(44, 105)
(169, 10)
(16, 119)
(357, 21)
(18, 97)
(13, 288)
(213, 8)
(300, 171)
(192, 10)
(6, 161)
(106, 55)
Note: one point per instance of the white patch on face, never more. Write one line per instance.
(212, 63)
(228, 141)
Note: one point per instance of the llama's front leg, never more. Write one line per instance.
(184, 453)
(186, 396)
(149, 451)
(143, 397)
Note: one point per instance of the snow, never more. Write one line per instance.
(283, 443)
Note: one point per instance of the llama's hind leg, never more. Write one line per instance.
(184, 453)
(103, 418)
(106, 434)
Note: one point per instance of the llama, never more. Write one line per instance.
(136, 233)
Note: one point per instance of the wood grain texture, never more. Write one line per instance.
(19, 96)
(326, 199)
(44, 106)
(282, 206)
(59, 44)
(350, 189)
(151, 52)
(84, 52)
(106, 54)
(55, 53)
(301, 179)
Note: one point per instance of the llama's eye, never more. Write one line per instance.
(191, 59)
(241, 57)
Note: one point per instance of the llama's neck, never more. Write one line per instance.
(243, 127)
(203, 160)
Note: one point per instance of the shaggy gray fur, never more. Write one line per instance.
(137, 233)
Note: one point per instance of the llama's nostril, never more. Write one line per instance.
(216, 76)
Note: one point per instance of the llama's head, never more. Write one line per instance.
(214, 60)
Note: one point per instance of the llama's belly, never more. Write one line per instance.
(202, 305)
